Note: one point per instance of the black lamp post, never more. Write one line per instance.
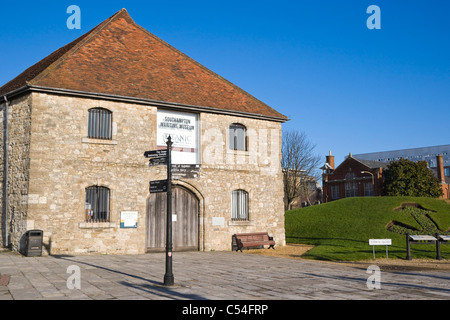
(168, 276)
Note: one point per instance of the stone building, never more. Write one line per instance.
(76, 126)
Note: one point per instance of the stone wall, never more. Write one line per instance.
(257, 171)
(19, 126)
(64, 162)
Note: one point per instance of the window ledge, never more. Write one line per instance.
(238, 152)
(97, 225)
(241, 223)
(98, 141)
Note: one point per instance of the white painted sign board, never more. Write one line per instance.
(380, 242)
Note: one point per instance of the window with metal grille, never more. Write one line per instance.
(97, 204)
(100, 124)
(239, 205)
(238, 137)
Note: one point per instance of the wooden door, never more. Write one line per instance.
(185, 207)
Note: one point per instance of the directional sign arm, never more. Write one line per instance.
(158, 161)
(155, 153)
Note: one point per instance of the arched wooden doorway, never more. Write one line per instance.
(185, 230)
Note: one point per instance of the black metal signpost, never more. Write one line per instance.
(164, 157)
(168, 277)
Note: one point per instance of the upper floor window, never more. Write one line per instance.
(238, 137)
(350, 176)
(100, 124)
(97, 204)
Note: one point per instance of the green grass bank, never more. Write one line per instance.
(340, 230)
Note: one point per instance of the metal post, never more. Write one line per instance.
(438, 248)
(168, 277)
(408, 248)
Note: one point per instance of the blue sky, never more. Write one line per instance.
(349, 88)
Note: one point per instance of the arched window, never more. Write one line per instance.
(350, 176)
(100, 124)
(238, 137)
(239, 205)
(97, 204)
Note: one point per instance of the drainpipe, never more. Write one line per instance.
(5, 170)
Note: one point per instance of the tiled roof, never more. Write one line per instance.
(120, 58)
(372, 164)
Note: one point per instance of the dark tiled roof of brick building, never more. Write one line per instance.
(120, 58)
(372, 164)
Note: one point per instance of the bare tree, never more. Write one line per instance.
(300, 166)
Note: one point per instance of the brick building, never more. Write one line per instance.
(77, 124)
(364, 178)
(352, 178)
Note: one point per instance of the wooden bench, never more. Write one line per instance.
(241, 240)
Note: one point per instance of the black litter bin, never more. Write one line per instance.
(33, 243)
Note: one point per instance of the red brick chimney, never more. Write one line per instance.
(440, 168)
(330, 160)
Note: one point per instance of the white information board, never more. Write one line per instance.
(183, 129)
(128, 219)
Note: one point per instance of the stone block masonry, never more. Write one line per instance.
(19, 133)
(52, 162)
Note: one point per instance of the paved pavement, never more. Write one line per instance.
(207, 276)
